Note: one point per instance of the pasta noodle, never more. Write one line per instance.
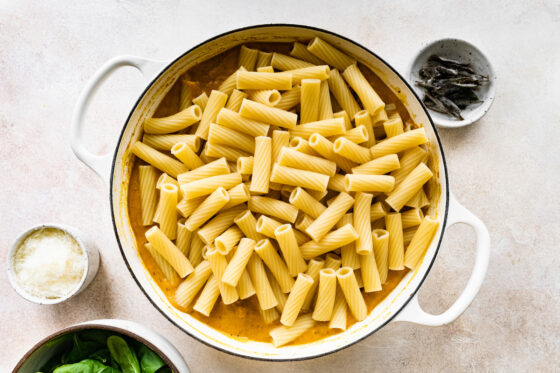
(378, 166)
(168, 218)
(226, 241)
(166, 142)
(290, 98)
(256, 80)
(186, 207)
(303, 221)
(208, 185)
(215, 168)
(264, 59)
(314, 267)
(292, 158)
(235, 121)
(327, 127)
(325, 148)
(420, 242)
(324, 223)
(219, 151)
(187, 290)
(269, 97)
(265, 295)
(377, 211)
(230, 83)
(208, 297)
(262, 164)
(219, 224)
(245, 165)
(310, 93)
(370, 99)
(248, 225)
(169, 251)
(283, 62)
(409, 187)
(363, 118)
(269, 206)
(219, 263)
(393, 223)
(184, 238)
(412, 218)
(369, 183)
(325, 106)
(332, 261)
(342, 94)
(173, 123)
(333, 240)
(296, 177)
(220, 135)
(237, 195)
(260, 112)
(148, 176)
(248, 58)
(326, 295)
(158, 160)
(239, 261)
(163, 265)
(295, 299)
(211, 205)
(280, 139)
(290, 250)
(381, 251)
(300, 51)
(329, 54)
(186, 155)
(195, 251)
(356, 135)
(284, 334)
(306, 203)
(216, 102)
(201, 100)
(348, 254)
(338, 318)
(399, 143)
(351, 291)
(234, 100)
(351, 151)
(275, 264)
(362, 224)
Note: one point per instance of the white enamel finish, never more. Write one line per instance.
(101, 164)
(414, 313)
(147, 105)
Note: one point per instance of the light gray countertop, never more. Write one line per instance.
(505, 168)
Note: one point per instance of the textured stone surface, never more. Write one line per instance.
(505, 168)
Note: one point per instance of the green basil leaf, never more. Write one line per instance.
(150, 362)
(123, 354)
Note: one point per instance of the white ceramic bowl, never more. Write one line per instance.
(115, 169)
(89, 251)
(45, 349)
(464, 51)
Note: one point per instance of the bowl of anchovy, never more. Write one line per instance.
(455, 81)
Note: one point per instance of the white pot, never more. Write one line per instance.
(115, 169)
(48, 347)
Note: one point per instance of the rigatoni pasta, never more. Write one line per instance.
(279, 182)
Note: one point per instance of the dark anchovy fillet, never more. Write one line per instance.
(450, 85)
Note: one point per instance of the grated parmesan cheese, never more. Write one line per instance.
(49, 263)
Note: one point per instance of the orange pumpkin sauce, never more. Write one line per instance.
(242, 319)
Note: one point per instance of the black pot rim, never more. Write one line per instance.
(415, 96)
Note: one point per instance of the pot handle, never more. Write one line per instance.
(101, 164)
(415, 314)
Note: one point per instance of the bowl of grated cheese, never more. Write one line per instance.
(51, 263)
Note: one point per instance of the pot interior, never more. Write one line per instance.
(123, 164)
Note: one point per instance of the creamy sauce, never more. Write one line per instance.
(242, 319)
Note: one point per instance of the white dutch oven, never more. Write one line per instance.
(115, 169)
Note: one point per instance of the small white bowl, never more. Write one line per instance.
(44, 350)
(89, 250)
(466, 52)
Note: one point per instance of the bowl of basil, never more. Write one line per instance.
(103, 346)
